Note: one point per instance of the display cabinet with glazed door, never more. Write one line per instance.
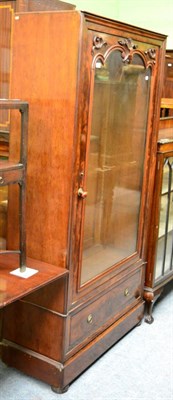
(94, 89)
(167, 91)
(166, 113)
(160, 260)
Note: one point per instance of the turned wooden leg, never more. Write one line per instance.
(149, 318)
(151, 298)
(60, 390)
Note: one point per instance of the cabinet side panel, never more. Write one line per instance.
(36, 329)
(44, 70)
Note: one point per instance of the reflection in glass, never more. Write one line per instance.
(164, 255)
(115, 168)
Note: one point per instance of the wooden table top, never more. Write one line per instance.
(13, 287)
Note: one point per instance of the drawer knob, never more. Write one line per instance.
(126, 292)
(1, 180)
(90, 319)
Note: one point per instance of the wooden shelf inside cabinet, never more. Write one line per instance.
(15, 173)
(13, 288)
(166, 105)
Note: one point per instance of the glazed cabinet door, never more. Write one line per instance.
(112, 157)
(163, 265)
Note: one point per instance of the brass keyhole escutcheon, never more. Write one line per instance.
(90, 319)
(126, 292)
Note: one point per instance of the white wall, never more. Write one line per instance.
(155, 15)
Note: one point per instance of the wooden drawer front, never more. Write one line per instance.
(95, 317)
(7, 177)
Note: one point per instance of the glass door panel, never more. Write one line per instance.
(115, 165)
(166, 175)
(163, 213)
(163, 263)
(165, 181)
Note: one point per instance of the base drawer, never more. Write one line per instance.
(99, 314)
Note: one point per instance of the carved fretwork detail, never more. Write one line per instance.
(128, 46)
(151, 53)
(98, 43)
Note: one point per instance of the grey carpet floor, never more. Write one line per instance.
(139, 366)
